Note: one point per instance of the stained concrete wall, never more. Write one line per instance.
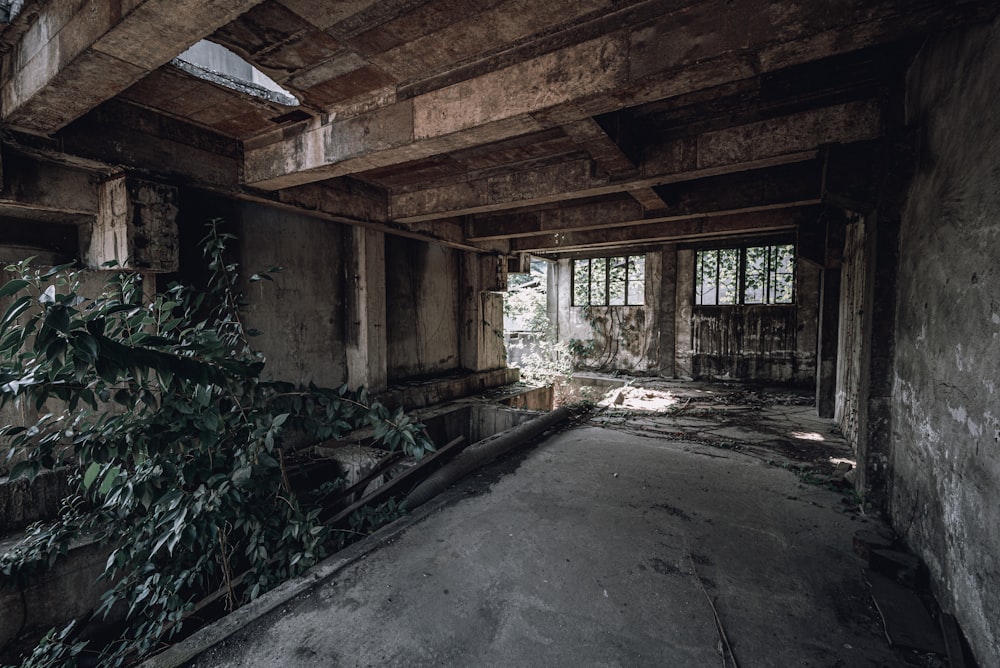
(773, 343)
(946, 394)
(620, 338)
(672, 337)
(300, 313)
(422, 312)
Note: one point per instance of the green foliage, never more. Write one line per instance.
(369, 518)
(178, 444)
(546, 359)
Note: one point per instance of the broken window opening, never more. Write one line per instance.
(610, 281)
(214, 62)
(746, 275)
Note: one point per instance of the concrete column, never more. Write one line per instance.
(483, 277)
(135, 226)
(826, 345)
(879, 340)
(366, 315)
(553, 304)
(683, 314)
(665, 307)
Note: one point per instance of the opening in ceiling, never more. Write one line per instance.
(10, 9)
(213, 62)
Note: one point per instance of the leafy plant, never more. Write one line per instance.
(544, 358)
(178, 444)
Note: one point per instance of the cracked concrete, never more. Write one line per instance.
(602, 547)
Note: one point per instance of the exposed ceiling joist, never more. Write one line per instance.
(703, 227)
(684, 50)
(789, 139)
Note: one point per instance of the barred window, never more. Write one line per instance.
(751, 275)
(610, 281)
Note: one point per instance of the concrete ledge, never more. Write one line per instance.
(419, 393)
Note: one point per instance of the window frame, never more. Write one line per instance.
(607, 280)
(771, 271)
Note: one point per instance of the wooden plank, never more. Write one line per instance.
(411, 476)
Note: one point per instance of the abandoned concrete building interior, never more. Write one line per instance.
(780, 193)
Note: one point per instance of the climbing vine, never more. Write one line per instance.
(179, 449)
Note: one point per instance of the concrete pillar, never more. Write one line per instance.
(826, 345)
(135, 226)
(683, 314)
(553, 302)
(665, 307)
(877, 356)
(483, 279)
(366, 316)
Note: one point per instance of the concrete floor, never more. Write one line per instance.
(603, 547)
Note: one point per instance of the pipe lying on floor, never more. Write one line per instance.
(480, 454)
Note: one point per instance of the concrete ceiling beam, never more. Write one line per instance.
(764, 190)
(682, 51)
(789, 139)
(609, 156)
(75, 55)
(691, 229)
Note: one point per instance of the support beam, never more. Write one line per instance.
(135, 227)
(665, 317)
(366, 316)
(788, 139)
(704, 227)
(75, 55)
(683, 50)
(755, 190)
(591, 137)
(573, 216)
(46, 190)
(121, 218)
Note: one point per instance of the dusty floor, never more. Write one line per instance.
(613, 543)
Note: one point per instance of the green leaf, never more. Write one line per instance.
(19, 306)
(91, 475)
(109, 480)
(13, 286)
(26, 469)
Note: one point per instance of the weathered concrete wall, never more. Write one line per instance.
(301, 313)
(946, 423)
(752, 342)
(422, 312)
(775, 343)
(619, 338)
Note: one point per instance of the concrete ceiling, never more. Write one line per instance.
(505, 125)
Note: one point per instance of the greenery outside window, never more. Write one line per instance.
(751, 275)
(610, 281)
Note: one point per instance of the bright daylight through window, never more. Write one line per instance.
(753, 275)
(610, 281)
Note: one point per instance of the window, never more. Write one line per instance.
(753, 275)
(610, 281)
